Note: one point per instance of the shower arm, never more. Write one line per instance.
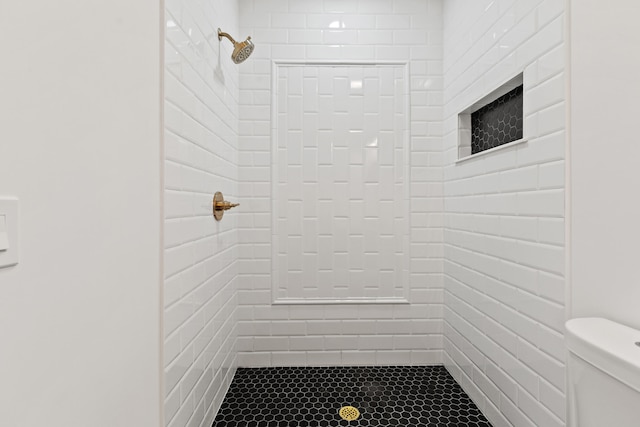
(222, 34)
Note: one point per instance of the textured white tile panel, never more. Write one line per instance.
(351, 249)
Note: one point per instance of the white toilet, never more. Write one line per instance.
(604, 373)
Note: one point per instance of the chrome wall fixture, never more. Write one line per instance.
(220, 206)
(241, 50)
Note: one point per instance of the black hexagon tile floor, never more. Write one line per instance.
(313, 397)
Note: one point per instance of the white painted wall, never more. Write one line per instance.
(605, 206)
(80, 147)
(201, 157)
(350, 30)
(504, 214)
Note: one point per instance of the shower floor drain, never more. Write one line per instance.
(349, 413)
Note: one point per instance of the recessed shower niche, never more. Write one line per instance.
(493, 121)
(340, 182)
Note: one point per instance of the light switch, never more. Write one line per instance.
(8, 231)
(4, 237)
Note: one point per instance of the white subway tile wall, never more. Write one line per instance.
(504, 214)
(201, 157)
(347, 31)
(340, 182)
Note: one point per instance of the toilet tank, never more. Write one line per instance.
(604, 373)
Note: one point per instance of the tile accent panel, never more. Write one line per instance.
(340, 182)
(498, 122)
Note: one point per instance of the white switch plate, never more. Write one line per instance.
(4, 236)
(9, 210)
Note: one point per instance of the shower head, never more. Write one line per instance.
(241, 50)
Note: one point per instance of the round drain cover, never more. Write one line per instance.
(349, 413)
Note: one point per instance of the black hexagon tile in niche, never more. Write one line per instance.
(312, 397)
(498, 123)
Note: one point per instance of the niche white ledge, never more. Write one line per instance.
(492, 150)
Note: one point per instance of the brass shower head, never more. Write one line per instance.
(241, 50)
